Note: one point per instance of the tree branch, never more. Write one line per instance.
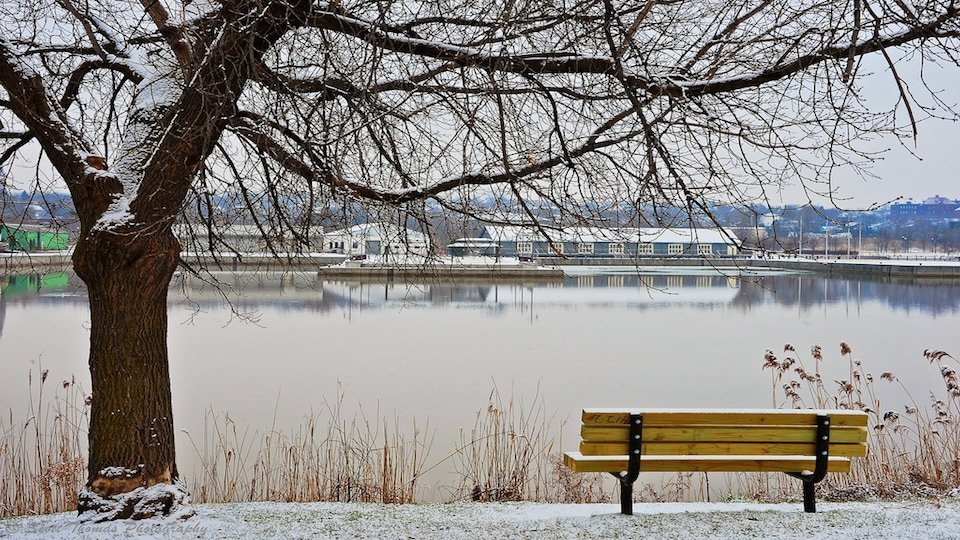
(76, 78)
(247, 126)
(572, 63)
(174, 35)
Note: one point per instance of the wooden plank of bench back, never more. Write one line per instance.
(721, 433)
(774, 417)
(589, 448)
(577, 462)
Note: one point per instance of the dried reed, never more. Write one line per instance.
(503, 457)
(326, 458)
(909, 453)
(42, 458)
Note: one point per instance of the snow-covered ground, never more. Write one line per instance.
(921, 520)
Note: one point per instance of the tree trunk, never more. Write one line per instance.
(132, 465)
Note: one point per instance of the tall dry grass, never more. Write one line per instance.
(328, 457)
(913, 449)
(43, 456)
(505, 455)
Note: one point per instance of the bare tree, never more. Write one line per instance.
(290, 108)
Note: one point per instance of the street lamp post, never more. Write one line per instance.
(800, 238)
(860, 239)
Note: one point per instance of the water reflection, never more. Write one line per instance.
(32, 288)
(288, 291)
(433, 351)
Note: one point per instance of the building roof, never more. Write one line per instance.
(241, 230)
(473, 243)
(602, 234)
(379, 231)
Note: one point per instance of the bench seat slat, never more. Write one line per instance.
(577, 462)
(778, 417)
(588, 448)
(720, 433)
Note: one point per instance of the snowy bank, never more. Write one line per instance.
(925, 519)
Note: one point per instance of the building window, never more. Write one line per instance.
(675, 249)
(705, 249)
(557, 248)
(644, 249)
(615, 249)
(525, 248)
(585, 248)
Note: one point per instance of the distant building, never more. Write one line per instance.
(464, 247)
(246, 238)
(517, 241)
(935, 208)
(384, 239)
(30, 237)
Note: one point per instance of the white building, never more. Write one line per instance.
(380, 239)
(518, 241)
(247, 238)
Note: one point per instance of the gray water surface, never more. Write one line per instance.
(285, 344)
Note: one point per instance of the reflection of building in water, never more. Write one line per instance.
(30, 288)
(20, 284)
(626, 290)
(400, 294)
(308, 292)
(813, 291)
(639, 290)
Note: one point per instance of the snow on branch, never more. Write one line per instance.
(571, 63)
(174, 35)
(43, 115)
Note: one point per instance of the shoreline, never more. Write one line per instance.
(335, 266)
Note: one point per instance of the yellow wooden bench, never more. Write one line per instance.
(803, 443)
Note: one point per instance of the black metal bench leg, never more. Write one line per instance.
(626, 497)
(633, 465)
(820, 469)
(809, 497)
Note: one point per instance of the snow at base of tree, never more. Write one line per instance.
(925, 519)
(171, 500)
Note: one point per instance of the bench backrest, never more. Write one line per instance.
(692, 432)
(806, 444)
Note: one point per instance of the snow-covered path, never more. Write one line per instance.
(921, 520)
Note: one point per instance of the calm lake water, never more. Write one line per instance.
(434, 352)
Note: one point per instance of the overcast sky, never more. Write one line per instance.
(929, 168)
(921, 168)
